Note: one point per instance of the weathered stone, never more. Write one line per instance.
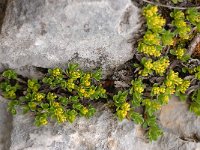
(101, 132)
(2, 11)
(176, 118)
(48, 33)
(5, 125)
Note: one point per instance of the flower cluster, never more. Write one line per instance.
(137, 86)
(174, 81)
(182, 28)
(150, 45)
(158, 66)
(122, 106)
(180, 52)
(151, 106)
(150, 50)
(124, 109)
(156, 90)
(161, 65)
(136, 91)
(193, 16)
(151, 38)
(154, 21)
(60, 95)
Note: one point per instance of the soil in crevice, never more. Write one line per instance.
(3, 5)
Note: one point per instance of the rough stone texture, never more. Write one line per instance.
(176, 118)
(47, 33)
(5, 125)
(102, 132)
(2, 11)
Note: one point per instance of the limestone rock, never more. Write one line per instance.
(176, 118)
(101, 132)
(49, 33)
(5, 125)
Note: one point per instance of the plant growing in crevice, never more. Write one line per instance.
(162, 67)
(61, 95)
(158, 69)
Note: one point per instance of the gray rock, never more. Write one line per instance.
(49, 33)
(5, 125)
(176, 118)
(101, 132)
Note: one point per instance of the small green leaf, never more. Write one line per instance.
(10, 74)
(136, 117)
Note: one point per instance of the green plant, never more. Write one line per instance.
(193, 16)
(177, 1)
(195, 105)
(61, 95)
(157, 76)
(162, 67)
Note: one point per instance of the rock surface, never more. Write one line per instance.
(101, 132)
(47, 33)
(5, 125)
(2, 11)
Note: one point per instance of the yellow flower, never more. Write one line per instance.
(125, 107)
(166, 99)
(61, 118)
(84, 111)
(103, 91)
(86, 95)
(168, 83)
(139, 89)
(91, 92)
(184, 86)
(148, 64)
(82, 90)
(70, 84)
(87, 83)
(121, 114)
(43, 121)
(87, 76)
(156, 90)
(147, 102)
(56, 104)
(56, 72)
(178, 81)
(151, 38)
(180, 52)
(180, 23)
(170, 90)
(161, 65)
(38, 96)
(58, 111)
(156, 106)
(75, 74)
(150, 11)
